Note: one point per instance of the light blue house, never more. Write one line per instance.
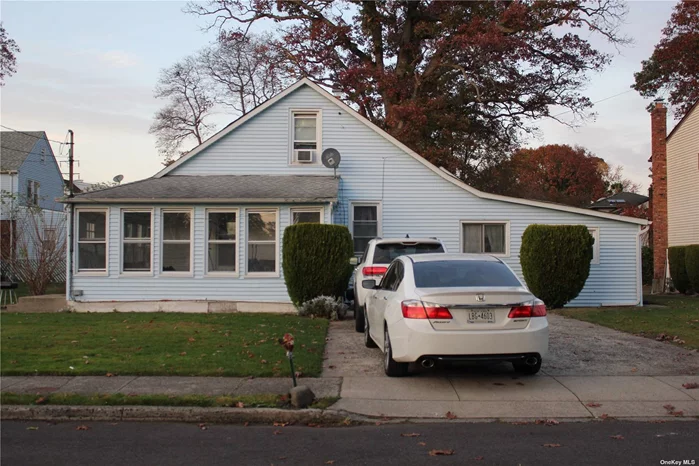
(31, 181)
(205, 233)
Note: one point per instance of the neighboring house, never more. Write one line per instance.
(675, 186)
(31, 181)
(619, 202)
(205, 233)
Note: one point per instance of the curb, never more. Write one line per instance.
(169, 414)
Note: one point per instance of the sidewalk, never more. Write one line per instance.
(467, 397)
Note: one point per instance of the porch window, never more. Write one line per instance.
(306, 216)
(177, 244)
(262, 241)
(92, 240)
(223, 241)
(484, 238)
(136, 242)
(365, 225)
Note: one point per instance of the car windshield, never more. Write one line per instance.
(458, 273)
(384, 253)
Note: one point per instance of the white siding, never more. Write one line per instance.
(414, 200)
(683, 182)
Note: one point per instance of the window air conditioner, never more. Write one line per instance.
(305, 156)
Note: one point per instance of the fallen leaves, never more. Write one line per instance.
(330, 462)
(548, 422)
(413, 434)
(604, 416)
(617, 437)
(40, 400)
(441, 452)
(32, 428)
(183, 353)
(422, 444)
(551, 445)
(203, 426)
(593, 405)
(240, 404)
(191, 340)
(478, 458)
(280, 424)
(690, 385)
(82, 427)
(277, 432)
(450, 415)
(109, 374)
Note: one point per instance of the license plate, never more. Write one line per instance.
(481, 317)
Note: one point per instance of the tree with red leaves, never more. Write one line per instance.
(555, 173)
(674, 65)
(459, 82)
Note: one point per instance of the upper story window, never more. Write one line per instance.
(33, 192)
(305, 136)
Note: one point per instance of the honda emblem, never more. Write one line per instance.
(480, 298)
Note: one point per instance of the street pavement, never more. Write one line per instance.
(586, 443)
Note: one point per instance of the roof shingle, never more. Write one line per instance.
(15, 146)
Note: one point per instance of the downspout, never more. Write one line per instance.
(639, 265)
(69, 259)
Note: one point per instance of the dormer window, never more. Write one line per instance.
(305, 136)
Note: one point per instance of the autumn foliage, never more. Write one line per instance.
(674, 65)
(459, 82)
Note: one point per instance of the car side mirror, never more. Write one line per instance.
(369, 284)
(354, 261)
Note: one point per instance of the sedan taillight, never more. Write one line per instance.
(369, 271)
(414, 309)
(536, 309)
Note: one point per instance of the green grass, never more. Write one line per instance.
(119, 399)
(678, 317)
(159, 344)
(53, 288)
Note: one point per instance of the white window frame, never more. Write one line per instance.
(379, 218)
(145, 273)
(301, 210)
(236, 242)
(594, 231)
(254, 210)
(34, 197)
(319, 133)
(76, 241)
(190, 272)
(486, 222)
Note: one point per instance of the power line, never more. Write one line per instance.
(31, 135)
(28, 153)
(596, 102)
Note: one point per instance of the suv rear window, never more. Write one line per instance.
(457, 273)
(384, 253)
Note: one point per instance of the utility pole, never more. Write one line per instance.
(70, 164)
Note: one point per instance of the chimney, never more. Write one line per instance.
(658, 125)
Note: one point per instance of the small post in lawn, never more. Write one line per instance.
(288, 343)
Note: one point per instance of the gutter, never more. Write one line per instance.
(292, 200)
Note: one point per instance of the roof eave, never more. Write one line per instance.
(289, 200)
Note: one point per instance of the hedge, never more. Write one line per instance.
(315, 260)
(691, 263)
(647, 265)
(556, 261)
(676, 255)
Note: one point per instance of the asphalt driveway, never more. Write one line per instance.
(576, 348)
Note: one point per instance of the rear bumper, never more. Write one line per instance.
(412, 340)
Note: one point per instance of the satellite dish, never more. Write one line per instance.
(331, 158)
(118, 178)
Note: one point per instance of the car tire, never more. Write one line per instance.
(522, 368)
(368, 341)
(391, 367)
(358, 317)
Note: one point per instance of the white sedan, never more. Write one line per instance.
(454, 307)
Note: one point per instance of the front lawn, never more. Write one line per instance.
(159, 344)
(679, 317)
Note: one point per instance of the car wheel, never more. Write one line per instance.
(526, 369)
(358, 317)
(391, 367)
(368, 342)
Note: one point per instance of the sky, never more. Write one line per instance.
(91, 66)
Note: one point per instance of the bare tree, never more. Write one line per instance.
(8, 49)
(244, 69)
(189, 101)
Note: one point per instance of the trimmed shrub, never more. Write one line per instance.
(315, 260)
(324, 306)
(678, 270)
(691, 263)
(647, 265)
(556, 261)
